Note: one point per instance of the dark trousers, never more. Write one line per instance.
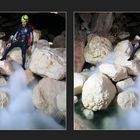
(23, 49)
(134, 51)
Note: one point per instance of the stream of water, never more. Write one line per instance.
(114, 118)
(20, 114)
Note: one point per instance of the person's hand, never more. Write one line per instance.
(14, 40)
(31, 43)
(136, 45)
(29, 50)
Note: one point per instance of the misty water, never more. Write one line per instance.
(20, 114)
(113, 118)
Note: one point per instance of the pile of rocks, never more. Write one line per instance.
(49, 64)
(106, 81)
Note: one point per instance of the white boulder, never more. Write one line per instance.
(45, 96)
(122, 85)
(127, 100)
(98, 92)
(97, 49)
(48, 62)
(115, 72)
(79, 80)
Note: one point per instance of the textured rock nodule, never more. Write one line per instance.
(98, 92)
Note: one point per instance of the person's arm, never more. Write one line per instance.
(137, 43)
(32, 38)
(15, 37)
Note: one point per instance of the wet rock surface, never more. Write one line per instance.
(97, 49)
(127, 99)
(44, 96)
(4, 100)
(49, 62)
(98, 92)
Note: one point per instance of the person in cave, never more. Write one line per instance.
(23, 38)
(136, 44)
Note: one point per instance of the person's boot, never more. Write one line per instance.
(131, 58)
(24, 68)
(3, 58)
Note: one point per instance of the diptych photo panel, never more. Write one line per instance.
(106, 70)
(33, 70)
(70, 70)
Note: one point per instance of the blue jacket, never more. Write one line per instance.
(24, 35)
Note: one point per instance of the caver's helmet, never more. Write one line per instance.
(25, 18)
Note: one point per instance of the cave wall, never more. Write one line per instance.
(50, 24)
(107, 23)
